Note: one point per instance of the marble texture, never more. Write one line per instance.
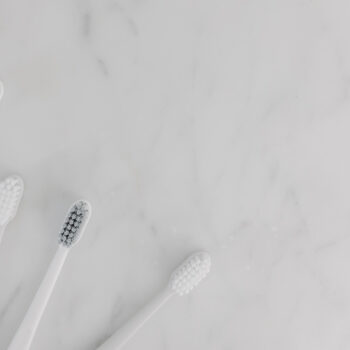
(217, 125)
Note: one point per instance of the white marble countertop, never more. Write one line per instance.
(188, 125)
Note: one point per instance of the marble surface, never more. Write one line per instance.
(189, 125)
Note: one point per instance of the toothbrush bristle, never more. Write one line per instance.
(1, 90)
(75, 223)
(11, 191)
(190, 273)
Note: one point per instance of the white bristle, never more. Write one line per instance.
(75, 223)
(190, 273)
(1, 90)
(11, 191)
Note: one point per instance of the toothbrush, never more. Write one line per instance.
(11, 192)
(181, 282)
(1, 90)
(72, 230)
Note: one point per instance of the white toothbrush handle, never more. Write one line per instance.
(25, 333)
(126, 332)
(2, 230)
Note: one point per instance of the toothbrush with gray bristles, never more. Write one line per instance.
(72, 230)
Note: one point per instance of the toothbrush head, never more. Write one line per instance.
(75, 223)
(1, 90)
(190, 273)
(11, 191)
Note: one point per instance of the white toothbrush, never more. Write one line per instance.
(1, 90)
(11, 192)
(182, 281)
(72, 230)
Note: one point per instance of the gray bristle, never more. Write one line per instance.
(75, 221)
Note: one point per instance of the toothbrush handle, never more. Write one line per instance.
(2, 231)
(126, 332)
(26, 332)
